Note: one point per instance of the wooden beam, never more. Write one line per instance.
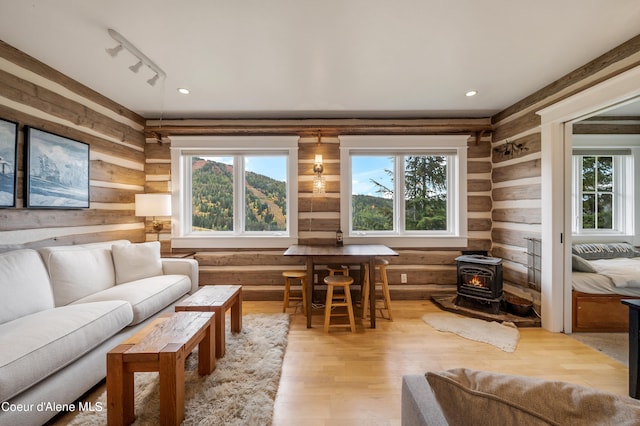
(585, 128)
(310, 127)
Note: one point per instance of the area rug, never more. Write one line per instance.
(614, 345)
(504, 336)
(240, 391)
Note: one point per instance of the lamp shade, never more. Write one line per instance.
(153, 204)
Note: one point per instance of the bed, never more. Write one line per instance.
(603, 275)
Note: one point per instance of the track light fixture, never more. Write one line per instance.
(113, 52)
(152, 80)
(123, 43)
(135, 68)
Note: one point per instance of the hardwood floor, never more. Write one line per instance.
(345, 378)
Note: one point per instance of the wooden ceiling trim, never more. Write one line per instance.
(309, 127)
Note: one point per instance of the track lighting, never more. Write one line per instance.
(135, 68)
(123, 43)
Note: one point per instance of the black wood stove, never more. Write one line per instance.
(480, 280)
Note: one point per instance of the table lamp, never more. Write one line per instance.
(154, 205)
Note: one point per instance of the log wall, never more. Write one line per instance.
(516, 177)
(33, 94)
(429, 271)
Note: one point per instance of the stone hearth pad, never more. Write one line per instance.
(447, 303)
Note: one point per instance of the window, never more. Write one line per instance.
(235, 191)
(602, 199)
(404, 188)
(597, 192)
(421, 178)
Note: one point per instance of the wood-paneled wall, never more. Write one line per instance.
(516, 178)
(36, 95)
(429, 271)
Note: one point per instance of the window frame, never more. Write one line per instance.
(455, 146)
(183, 148)
(625, 151)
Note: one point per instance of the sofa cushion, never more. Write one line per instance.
(146, 296)
(480, 397)
(38, 345)
(78, 271)
(136, 261)
(24, 285)
(105, 244)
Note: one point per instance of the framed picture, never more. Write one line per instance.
(8, 159)
(56, 171)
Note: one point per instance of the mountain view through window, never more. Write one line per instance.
(264, 198)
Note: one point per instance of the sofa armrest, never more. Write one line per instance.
(419, 405)
(188, 267)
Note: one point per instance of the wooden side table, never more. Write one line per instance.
(161, 346)
(634, 345)
(218, 299)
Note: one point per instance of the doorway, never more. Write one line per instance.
(556, 133)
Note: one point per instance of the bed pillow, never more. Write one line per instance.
(592, 251)
(481, 397)
(581, 265)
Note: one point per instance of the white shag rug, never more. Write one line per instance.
(240, 391)
(504, 336)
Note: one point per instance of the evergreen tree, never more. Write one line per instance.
(425, 197)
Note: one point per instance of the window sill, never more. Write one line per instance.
(195, 242)
(397, 241)
(602, 238)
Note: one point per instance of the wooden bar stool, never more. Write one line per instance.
(381, 268)
(335, 268)
(333, 301)
(288, 277)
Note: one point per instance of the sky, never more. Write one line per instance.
(365, 168)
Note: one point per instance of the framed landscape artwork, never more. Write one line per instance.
(8, 158)
(56, 171)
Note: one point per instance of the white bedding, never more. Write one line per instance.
(623, 271)
(615, 276)
(587, 282)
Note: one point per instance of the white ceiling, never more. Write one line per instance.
(322, 58)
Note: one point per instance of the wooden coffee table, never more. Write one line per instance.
(218, 299)
(161, 346)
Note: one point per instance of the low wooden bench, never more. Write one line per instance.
(161, 346)
(218, 299)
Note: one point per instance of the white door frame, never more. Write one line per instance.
(556, 167)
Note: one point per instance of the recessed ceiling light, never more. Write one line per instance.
(471, 93)
(184, 90)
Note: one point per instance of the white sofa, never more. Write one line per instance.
(63, 308)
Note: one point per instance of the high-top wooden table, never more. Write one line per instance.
(349, 253)
(218, 299)
(161, 346)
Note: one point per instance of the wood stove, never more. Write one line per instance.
(480, 280)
